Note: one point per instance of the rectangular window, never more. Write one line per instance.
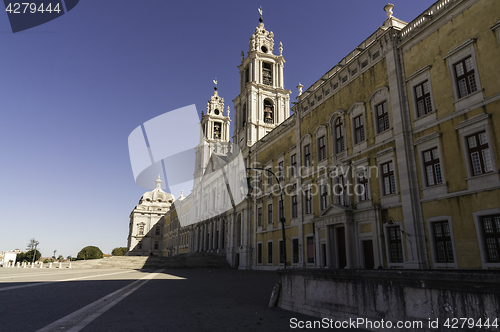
(423, 99)
(324, 196)
(359, 130)
(295, 250)
(259, 217)
(479, 153)
(294, 206)
(281, 252)
(281, 211)
(336, 85)
(308, 199)
(466, 80)
(442, 239)
(344, 79)
(259, 181)
(217, 130)
(375, 55)
(281, 170)
(321, 148)
(341, 190)
(395, 245)
(362, 189)
(259, 253)
(491, 236)
(157, 244)
(382, 110)
(270, 213)
(364, 64)
(293, 162)
(267, 73)
(388, 178)
(339, 136)
(157, 230)
(307, 155)
(432, 167)
(269, 178)
(310, 250)
(140, 230)
(269, 253)
(247, 74)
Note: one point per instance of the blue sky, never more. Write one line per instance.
(73, 89)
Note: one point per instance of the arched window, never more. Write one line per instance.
(268, 111)
(339, 136)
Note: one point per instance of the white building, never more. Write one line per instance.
(145, 233)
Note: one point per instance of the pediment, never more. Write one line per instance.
(335, 209)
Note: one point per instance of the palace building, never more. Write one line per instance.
(389, 160)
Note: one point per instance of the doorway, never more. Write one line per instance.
(341, 250)
(368, 254)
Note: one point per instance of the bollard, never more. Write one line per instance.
(50, 265)
(24, 265)
(32, 265)
(69, 267)
(41, 264)
(60, 265)
(18, 264)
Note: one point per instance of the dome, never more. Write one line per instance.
(157, 196)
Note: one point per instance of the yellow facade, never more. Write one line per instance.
(398, 118)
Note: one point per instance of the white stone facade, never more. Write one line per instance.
(145, 233)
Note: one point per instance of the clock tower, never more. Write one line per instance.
(263, 102)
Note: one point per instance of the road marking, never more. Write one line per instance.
(41, 274)
(77, 320)
(51, 282)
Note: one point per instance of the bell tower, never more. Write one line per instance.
(214, 132)
(214, 124)
(263, 102)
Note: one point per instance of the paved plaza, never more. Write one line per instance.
(140, 300)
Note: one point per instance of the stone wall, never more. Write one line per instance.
(391, 295)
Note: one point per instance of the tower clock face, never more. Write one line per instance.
(264, 49)
(216, 112)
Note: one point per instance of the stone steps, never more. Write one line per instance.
(191, 260)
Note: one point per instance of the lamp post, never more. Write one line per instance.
(283, 219)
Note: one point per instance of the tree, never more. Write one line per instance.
(28, 256)
(90, 252)
(21, 257)
(60, 258)
(119, 251)
(32, 244)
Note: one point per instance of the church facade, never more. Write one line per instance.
(145, 236)
(389, 160)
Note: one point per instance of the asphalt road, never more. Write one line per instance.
(139, 300)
